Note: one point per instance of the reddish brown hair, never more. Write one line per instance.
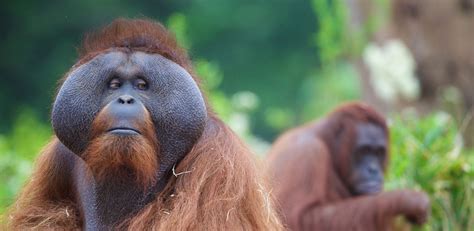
(217, 186)
(134, 35)
(109, 155)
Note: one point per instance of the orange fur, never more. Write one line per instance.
(134, 35)
(110, 155)
(217, 186)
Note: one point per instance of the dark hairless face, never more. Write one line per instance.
(368, 159)
(124, 85)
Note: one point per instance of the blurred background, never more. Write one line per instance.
(269, 66)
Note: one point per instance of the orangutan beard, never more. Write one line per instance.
(116, 155)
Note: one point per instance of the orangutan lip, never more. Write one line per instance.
(372, 187)
(124, 131)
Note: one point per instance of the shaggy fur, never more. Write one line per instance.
(110, 155)
(217, 186)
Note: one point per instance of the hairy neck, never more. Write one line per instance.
(118, 197)
(106, 203)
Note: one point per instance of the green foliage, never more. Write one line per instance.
(211, 77)
(279, 118)
(335, 81)
(331, 37)
(177, 23)
(337, 36)
(427, 154)
(209, 73)
(17, 151)
(234, 110)
(329, 87)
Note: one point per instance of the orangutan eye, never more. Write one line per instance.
(115, 84)
(141, 84)
(380, 151)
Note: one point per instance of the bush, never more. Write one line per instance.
(427, 154)
(17, 151)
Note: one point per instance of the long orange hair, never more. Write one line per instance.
(217, 186)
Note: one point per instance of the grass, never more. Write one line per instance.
(427, 154)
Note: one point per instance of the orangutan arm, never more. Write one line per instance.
(367, 212)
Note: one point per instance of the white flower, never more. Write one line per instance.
(392, 71)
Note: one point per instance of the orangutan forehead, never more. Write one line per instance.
(137, 61)
(370, 134)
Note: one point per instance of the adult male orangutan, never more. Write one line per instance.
(136, 146)
(328, 174)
